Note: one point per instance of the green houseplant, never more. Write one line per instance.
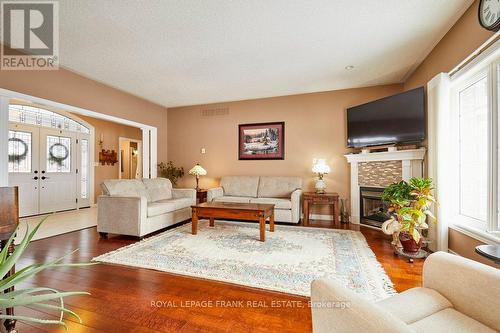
(40, 297)
(170, 171)
(409, 208)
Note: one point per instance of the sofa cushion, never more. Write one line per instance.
(240, 186)
(124, 188)
(279, 203)
(449, 320)
(167, 205)
(278, 187)
(158, 188)
(422, 301)
(227, 198)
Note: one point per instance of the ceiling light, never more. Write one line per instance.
(349, 67)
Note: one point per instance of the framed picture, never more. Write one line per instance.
(265, 141)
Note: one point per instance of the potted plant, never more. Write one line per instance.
(170, 171)
(409, 208)
(39, 297)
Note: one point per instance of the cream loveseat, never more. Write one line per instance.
(284, 192)
(458, 295)
(137, 208)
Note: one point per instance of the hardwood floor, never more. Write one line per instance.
(121, 298)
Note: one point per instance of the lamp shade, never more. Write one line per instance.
(197, 170)
(320, 166)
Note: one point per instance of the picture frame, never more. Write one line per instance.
(261, 141)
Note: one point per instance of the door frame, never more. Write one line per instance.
(149, 133)
(139, 148)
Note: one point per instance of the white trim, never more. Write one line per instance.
(153, 147)
(145, 155)
(71, 108)
(438, 146)
(475, 57)
(399, 155)
(477, 234)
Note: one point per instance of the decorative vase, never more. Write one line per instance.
(408, 243)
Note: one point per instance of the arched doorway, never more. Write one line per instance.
(49, 159)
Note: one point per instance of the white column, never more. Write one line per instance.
(438, 110)
(355, 217)
(145, 153)
(406, 170)
(153, 150)
(4, 141)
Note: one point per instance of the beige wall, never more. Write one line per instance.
(314, 128)
(70, 88)
(461, 40)
(111, 132)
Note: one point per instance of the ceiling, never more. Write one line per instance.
(195, 52)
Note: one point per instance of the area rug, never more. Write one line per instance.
(288, 261)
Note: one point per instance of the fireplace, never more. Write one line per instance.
(373, 210)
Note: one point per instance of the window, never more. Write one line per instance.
(474, 166)
(473, 151)
(58, 154)
(19, 147)
(84, 172)
(36, 116)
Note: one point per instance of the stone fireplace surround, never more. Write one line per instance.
(381, 169)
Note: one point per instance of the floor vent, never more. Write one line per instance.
(215, 112)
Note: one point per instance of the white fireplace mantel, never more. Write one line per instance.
(411, 167)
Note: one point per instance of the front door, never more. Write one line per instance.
(58, 181)
(43, 164)
(23, 166)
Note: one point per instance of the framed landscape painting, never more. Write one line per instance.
(265, 141)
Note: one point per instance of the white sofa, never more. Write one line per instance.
(458, 295)
(284, 192)
(137, 208)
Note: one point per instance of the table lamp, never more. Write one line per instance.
(197, 171)
(321, 168)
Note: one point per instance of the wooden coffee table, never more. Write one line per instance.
(236, 211)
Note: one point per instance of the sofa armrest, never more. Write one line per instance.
(213, 193)
(121, 215)
(473, 288)
(338, 309)
(184, 193)
(296, 205)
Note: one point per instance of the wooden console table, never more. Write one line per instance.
(313, 198)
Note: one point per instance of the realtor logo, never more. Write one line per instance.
(30, 35)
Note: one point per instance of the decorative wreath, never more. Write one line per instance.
(58, 159)
(18, 157)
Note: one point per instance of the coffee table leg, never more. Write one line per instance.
(271, 222)
(194, 222)
(212, 222)
(262, 223)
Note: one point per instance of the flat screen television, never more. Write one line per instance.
(390, 120)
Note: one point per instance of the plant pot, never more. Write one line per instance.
(408, 243)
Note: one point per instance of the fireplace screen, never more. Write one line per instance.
(372, 208)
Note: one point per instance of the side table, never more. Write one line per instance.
(201, 196)
(313, 198)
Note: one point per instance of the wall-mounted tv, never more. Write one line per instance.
(390, 120)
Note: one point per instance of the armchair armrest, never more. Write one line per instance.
(473, 288)
(296, 205)
(337, 309)
(213, 193)
(184, 193)
(121, 215)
